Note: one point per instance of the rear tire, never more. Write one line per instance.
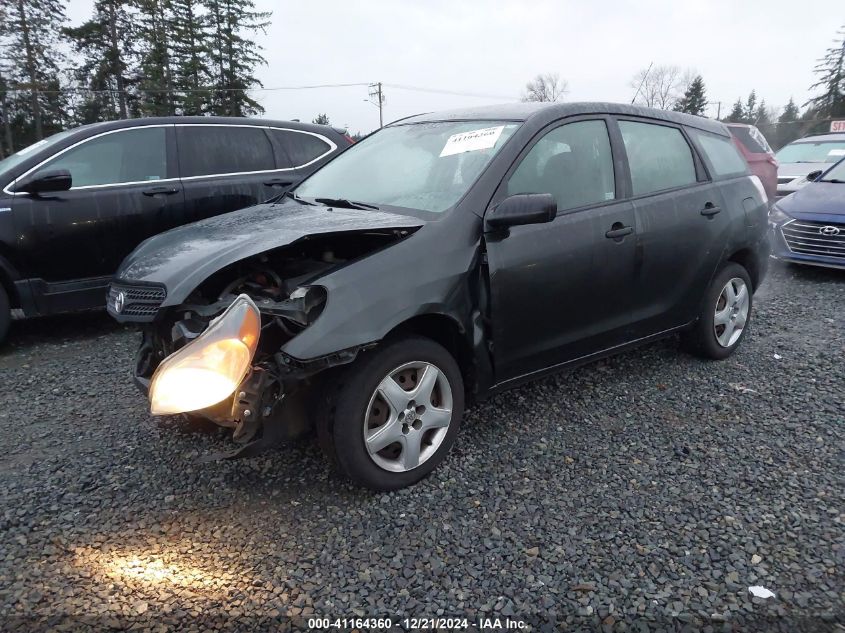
(725, 315)
(5, 314)
(394, 414)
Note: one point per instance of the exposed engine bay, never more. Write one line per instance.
(273, 399)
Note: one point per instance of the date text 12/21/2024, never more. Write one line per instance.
(417, 624)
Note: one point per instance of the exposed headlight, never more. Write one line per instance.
(209, 368)
(776, 215)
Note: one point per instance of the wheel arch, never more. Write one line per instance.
(745, 257)
(446, 331)
(8, 275)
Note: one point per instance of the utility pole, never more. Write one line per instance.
(377, 93)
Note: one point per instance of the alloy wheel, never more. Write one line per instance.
(731, 312)
(408, 416)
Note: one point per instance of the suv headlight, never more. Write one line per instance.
(208, 369)
(776, 215)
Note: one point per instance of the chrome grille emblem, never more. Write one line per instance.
(119, 301)
(829, 230)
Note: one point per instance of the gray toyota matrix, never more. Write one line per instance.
(444, 258)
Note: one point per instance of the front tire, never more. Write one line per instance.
(725, 315)
(395, 414)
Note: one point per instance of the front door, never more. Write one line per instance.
(122, 185)
(563, 290)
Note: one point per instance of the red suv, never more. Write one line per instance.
(758, 154)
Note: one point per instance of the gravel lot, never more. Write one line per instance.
(643, 493)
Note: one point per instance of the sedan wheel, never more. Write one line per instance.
(408, 416)
(394, 413)
(731, 312)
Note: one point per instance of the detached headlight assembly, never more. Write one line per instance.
(208, 369)
(777, 216)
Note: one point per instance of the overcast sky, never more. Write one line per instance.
(493, 48)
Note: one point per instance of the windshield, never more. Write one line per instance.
(16, 159)
(425, 166)
(807, 152)
(835, 173)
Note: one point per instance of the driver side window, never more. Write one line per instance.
(573, 162)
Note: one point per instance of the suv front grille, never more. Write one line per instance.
(133, 303)
(815, 238)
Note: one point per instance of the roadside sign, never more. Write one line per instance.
(837, 126)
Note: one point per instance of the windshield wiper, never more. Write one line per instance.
(345, 204)
(836, 180)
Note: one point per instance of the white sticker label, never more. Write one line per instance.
(836, 152)
(472, 141)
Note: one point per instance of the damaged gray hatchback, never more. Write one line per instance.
(440, 260)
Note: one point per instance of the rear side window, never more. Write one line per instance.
(659, 157)
(721, 153)
(137, 155)
(301, 148)
(206, 150)
(573, 163)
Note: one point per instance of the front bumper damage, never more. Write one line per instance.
(272, 404)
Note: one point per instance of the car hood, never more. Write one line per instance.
(817, 202)
(182, 258)
(799, 169)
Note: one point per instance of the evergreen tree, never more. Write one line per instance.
(694, 100)
(790, 112)
(761, 115)
(321, 119)
(737, 114)
(105, 44)
(156, 82)
(750, 110)
(830, 70)
(190, 48)
(235, 54)
(31, 33)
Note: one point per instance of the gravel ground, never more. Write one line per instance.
(647, 492)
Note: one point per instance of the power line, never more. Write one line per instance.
(79, 89)
(448, 92)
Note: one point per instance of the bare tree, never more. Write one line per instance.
(661, 87)
(545, 87)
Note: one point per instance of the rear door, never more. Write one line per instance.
(224, 168)
(562, 290)
(681, 224)
(123, 185)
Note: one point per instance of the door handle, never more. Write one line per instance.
(618, 231)
(155, 191)
(278, 182)
(710, 210)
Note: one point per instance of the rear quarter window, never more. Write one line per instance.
(720, 152)
(301, 148)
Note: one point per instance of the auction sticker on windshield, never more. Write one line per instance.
(472, 141)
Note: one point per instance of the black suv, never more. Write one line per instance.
(445, 257)
(75, 204)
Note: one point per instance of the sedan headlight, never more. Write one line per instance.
(208, 369)
(776, 216)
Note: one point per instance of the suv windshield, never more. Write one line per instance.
(424, 166)
(835, 173)
(809, 152)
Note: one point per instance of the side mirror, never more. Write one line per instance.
(523, 208)
(814, 175)
(47, 181)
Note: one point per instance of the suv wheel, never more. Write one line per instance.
(725, 314)
(5, 314)
(395, 414)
